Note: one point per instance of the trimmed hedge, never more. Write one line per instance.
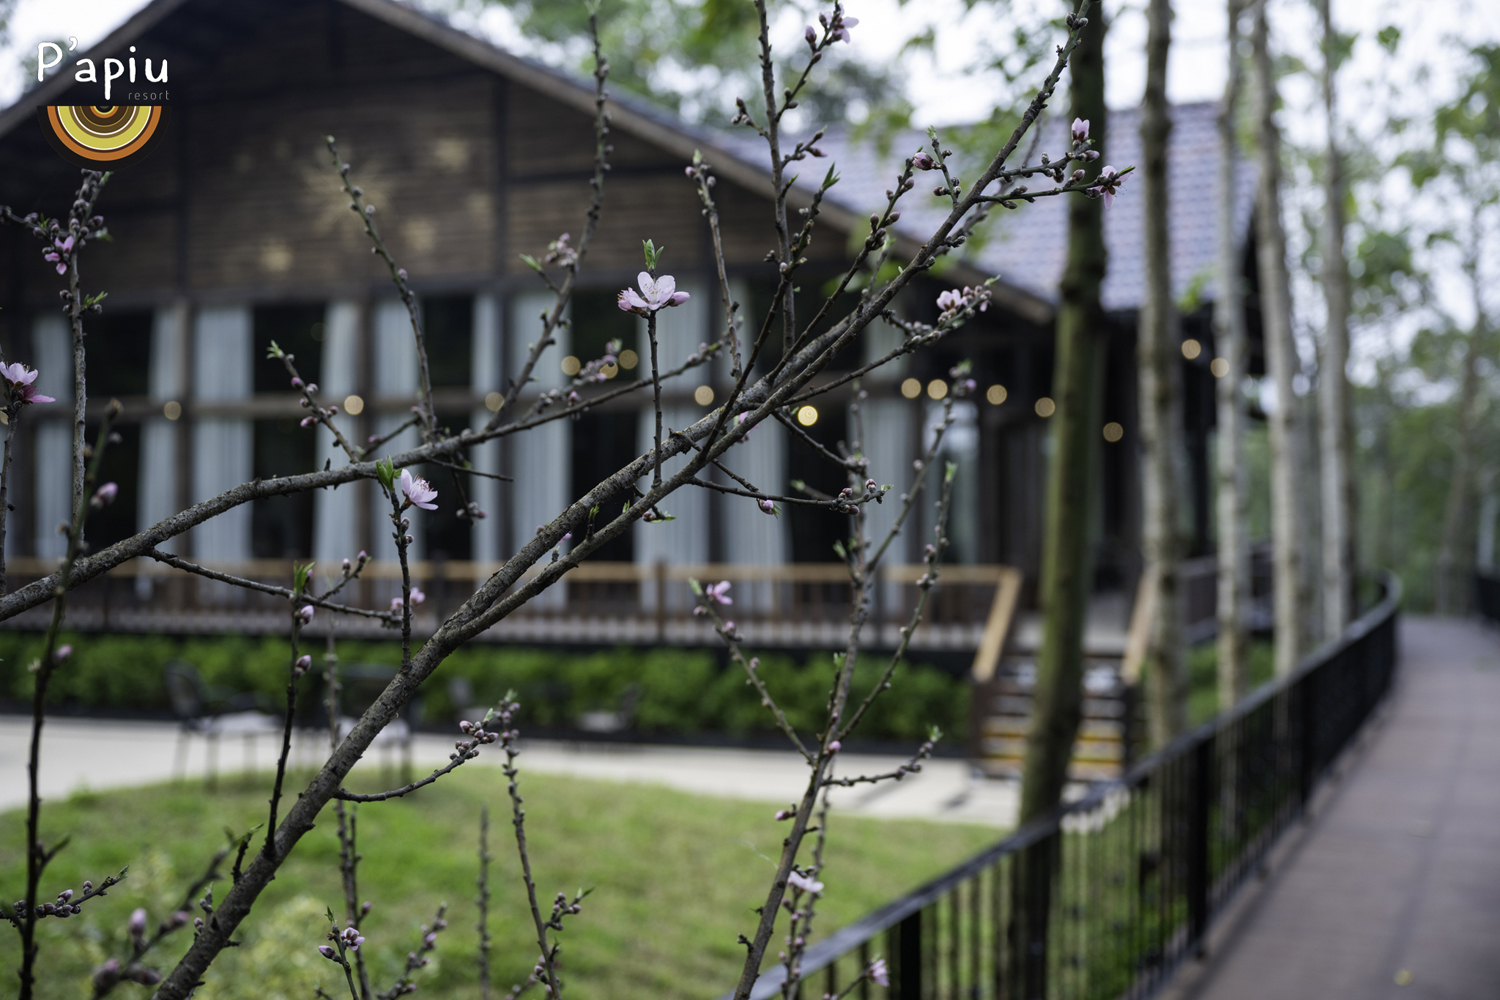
(681, 691)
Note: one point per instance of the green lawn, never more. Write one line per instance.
(675, 879)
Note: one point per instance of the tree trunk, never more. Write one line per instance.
(1159, 368)
(1450, 585)
(1229, 330)
(1339, 602)
(1281, 359)
(1067, 549)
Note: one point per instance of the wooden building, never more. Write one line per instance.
(234, 233)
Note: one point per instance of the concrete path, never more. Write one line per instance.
(98, 754)
(1394, 891)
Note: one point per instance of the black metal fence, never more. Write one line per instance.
(1106, 896)
(1487, 595)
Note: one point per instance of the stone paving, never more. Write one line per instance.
(101, 754)
(1392, 892)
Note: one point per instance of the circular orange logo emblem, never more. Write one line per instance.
(102, 137)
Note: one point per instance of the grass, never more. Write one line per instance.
(675, 877)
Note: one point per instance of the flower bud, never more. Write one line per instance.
(62, 653)
(327, 952)
(137, 923)
(304, 663)
(104, 496)
(305, 614)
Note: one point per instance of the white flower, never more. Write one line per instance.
(417, 491)
(804, 882)
(655, 295)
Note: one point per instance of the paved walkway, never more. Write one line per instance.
(1394, 891)
(99, 754)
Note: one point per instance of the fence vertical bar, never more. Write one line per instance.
(908, 955)
(1198, 876)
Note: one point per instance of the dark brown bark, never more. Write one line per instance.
(1067, 545)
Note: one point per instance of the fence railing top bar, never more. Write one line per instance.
(1189, 741)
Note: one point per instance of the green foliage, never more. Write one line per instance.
(675, 878)
(680, 691)
(696, 56)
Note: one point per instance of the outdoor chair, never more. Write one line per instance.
(617, 721)
(359, 685)
(213, 712)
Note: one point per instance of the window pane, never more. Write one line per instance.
(119, 354)
(298, 330)
(447, 535)
(814, 530)
(598, 319)
(121, 465)
(602, 442)
(281, 527)
(448, 331)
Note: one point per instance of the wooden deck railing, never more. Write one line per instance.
(798, 604)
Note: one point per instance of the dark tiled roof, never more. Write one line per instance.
(1027, 247)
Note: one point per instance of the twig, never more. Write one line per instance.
(483, 902)
(602, 149)
(177, 562)
(37, 855)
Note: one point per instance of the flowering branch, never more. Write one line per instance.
(417, 959)
(301, 614)
(320, 414)
(366, 213)
(482, 901)
(574, 256)
(464, 750)
(53, 655)
(712, 598)
(702, 176)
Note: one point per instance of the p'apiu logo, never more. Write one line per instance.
(102, 137)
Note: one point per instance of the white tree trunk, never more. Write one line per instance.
(1229, 332)
(1160, 370)
(1333, 383)
(1281, 359)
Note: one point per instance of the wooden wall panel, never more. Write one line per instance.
(267, 208)
(550, 138)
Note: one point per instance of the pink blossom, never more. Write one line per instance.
(417, 597)
(1108, 184)
(655, 295)
(835, 747)
(21, 381)
(1080, 130)
(417, 492)
(766, 505)
(879, 973)
(840, 26)
(804, 882)
(718, 593)
(62, 653)
(951, 299)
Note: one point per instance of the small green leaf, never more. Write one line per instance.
(385, 469)
(275, 351)
(652, 253)
(531, 262)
